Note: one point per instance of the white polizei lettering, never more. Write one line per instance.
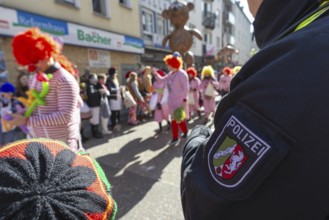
(238, 135)
(255, 147)
(261, 151)
(236, 129)
(231, 123)
(251, 139)
(244, 137)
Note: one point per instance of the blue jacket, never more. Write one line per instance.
(268, 155)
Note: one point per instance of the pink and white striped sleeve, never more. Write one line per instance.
(68, 99)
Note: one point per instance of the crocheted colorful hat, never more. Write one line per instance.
(174, 60)
(191, 71)
(7, 87)
(44, 179)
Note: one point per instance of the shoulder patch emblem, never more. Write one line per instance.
(235, 153)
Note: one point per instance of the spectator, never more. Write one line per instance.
(105, 111)
(22, 85)
(113, 85)
(94, 95)
(132, 86)
(9, 105)
(85, 112)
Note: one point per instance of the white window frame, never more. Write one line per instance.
(144, 22)
(126, 3)
(75, 3)
(160, 21)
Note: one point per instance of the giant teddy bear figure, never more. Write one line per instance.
(181, 38)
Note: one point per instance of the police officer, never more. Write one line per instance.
(268, 155)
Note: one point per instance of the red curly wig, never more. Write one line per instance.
(191, 71)
(227, 71)
(32, 46)
(174, 61)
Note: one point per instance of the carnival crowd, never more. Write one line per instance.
(143, 96)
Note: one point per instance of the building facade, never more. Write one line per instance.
(125, 34)
(96, 34)
(243, 37)
(153, 29)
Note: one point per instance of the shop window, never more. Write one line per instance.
(126, 3)
(101, 7)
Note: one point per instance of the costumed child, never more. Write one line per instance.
(8, 106)
(55, 110)
(194, 94)
(178, 87)
(225, 81)
(208, 88)
(161, 111)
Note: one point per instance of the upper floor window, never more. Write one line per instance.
(101, 7)
(147, 21)
(161, 25)
(75, 3)
(126, 3)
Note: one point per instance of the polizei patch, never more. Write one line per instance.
(235, 153)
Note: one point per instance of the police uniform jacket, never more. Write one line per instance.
(268, 157)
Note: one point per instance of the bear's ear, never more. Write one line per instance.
(166, 14)
(190, 5)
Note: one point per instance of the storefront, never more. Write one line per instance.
(154, 57)
(84, 46)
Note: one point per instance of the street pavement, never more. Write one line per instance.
(143, 169)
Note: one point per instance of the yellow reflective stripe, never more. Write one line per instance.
(312, 18)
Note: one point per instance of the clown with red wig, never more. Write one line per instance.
(225, 80)
(54, 111)
(178, 87)
(193, 98)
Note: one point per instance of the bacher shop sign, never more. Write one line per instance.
(14, 21)
(93, 37)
